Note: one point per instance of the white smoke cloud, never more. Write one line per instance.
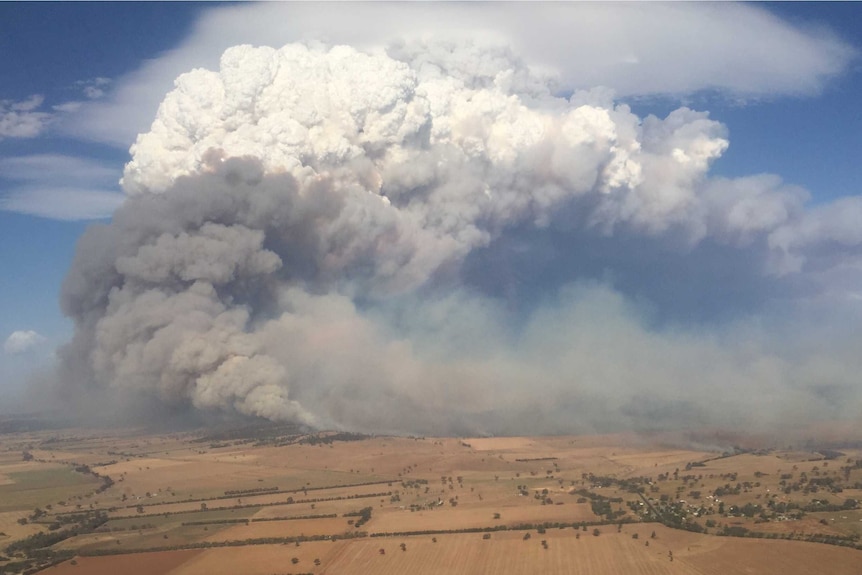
(22, 341)
(318, 234)
(512, 150)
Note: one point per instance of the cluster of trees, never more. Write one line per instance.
(539, 527)
(251, 433)
(364, 515)
(823, 505)
(254, 491)
(817, 481)
(841, 540)
(296, 517)
(216, 522)
(35, 545)
(31, 565)
(331, 438)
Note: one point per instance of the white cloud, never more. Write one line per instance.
(60, 187)
(21, 119)
(63, 203)
(824, 234)
(634, 48)
(28, 105)
(22, 341)
(56, 168)
(68, 107)
(94, 88)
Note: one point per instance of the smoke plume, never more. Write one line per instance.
(429, 239)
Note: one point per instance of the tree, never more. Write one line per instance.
(596, 532)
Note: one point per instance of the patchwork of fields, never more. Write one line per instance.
(338, 503)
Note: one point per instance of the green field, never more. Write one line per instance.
(165, 536)
(848, 522)
(42, 487)
(191, 516)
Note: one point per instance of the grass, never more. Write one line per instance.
(191, 516)
(848, 522)
(41, 487)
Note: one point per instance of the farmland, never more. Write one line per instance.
(323, 502)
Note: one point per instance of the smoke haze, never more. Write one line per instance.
(428, 239)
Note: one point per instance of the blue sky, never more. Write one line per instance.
(80, 79)
(55, 48)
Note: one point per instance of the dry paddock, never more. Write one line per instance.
(508, 553)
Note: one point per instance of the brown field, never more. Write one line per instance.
(427, 484)
(441, 519)
(609, 553)
(139, 563)
(746, 556)
(262, 559)
(508, 552)
(14, 530)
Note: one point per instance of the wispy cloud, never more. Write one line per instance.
(92, 89)
(22, 119)
(28, 119)
(22, 341)
(60, 187)
(63, 203)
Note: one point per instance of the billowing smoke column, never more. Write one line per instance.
(298, 225)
